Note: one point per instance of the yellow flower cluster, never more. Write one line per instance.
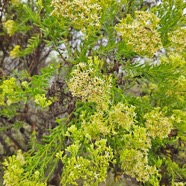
(135, 164)
(118, 117)
(134, 157)
(13, 174)
(10, 26)
(178, 39)
(82, 14)
(8, 89)
(140, 34)
(121, 115)
(157, 124)
(138, 139)
(15, 52)
(175, 60)
(96, 125)
(91, 168)
(42, 100)
(88, 86)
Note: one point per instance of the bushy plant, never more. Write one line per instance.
(88, 87)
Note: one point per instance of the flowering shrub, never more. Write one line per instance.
(89, 88)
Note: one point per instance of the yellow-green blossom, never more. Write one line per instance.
(15, 52)
(181, 83)
(178, 39)
(91, 168)
(96, 125)
(175, 59)
(9, 87)
(10, 27)
(14, 172)
(81, 14)
(14, 169)
(135, 163)
(121, 115)
(140, 33)
(90, 87)
(138, 139)
(178, 88)
(157, 124)
(25, 84)
(42, 100)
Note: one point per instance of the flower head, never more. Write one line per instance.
(178, 40)
(140, 33)
(82, 14)
(15, 52)
(10, 26)
(157, 124)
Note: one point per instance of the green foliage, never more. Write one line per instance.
(14, 93)
(171, 16)
(111, 100)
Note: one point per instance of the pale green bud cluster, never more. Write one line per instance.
(86, 84)
(179, 117)
(25, 84)
(140, 33)
(175, 59)
(96, 125)
(10, 27)
(138, 139)
(134, 157)
(42, 100)
(178, 40)
(157, 124)
(135, 163)
(81, 14)
(8, 91)
(121, 115)
(14, 169)
(15, 52)
(13, 174)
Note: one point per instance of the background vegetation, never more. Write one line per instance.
(92, 88)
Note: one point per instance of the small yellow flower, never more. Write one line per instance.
(42, 100)
(16, 52)
(10, 26)
(25, 84)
